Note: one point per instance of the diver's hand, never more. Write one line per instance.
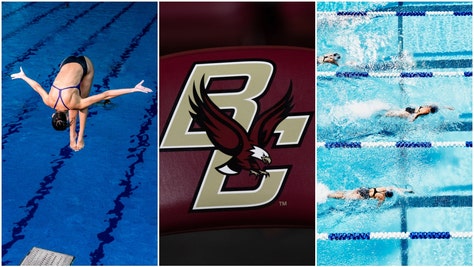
(19, 75)
(140, 88)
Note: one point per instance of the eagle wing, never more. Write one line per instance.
(226, 134)
(265, 125)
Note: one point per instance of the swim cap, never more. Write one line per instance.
(59, 121)
(434, 109)
(389, 194)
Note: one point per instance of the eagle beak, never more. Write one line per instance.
(266, 160)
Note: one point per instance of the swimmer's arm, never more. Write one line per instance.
(34, 84)
(88, 101)
(381, 200)
(417, 115)
(401, 190)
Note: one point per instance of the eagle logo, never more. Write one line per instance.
(227, 135)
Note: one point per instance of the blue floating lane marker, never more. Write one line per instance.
(393, 235)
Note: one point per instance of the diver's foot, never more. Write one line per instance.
(80, 144)
(72, 142)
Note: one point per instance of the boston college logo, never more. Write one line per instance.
(238, 142)
(228, 136)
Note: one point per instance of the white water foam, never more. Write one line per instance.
(322, 192)
(354, 110)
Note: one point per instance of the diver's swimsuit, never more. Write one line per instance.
(412, 110)
(71, 59)
(365, 192)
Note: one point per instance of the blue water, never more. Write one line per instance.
(352, 109)
(98, 204)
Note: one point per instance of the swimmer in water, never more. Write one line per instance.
(69, 96)
(329, 58)
(379, 193)
(413, 113)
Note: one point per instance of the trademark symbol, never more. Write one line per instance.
(283, 203)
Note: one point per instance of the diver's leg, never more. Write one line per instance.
(72, 129)
(82, 126)
(86, 84)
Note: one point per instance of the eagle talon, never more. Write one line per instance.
(259, 173)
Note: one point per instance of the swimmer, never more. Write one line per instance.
(329, 58)
(69, 96)
(413, 113)
(379, 193)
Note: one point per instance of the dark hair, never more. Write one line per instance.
(59, 121)
(410, 110)
(389, 194)
(434, 109)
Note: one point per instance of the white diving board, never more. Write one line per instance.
(43, 257)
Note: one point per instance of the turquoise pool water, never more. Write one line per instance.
(98, 204)
(434, 54)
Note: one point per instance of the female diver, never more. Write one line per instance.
(69, 93)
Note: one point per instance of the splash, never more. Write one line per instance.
(322, 192)
(354, 110)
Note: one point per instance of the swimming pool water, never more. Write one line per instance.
(98, 204)
(351, 109)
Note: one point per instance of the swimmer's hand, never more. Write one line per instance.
(140, 88)
(19, 75)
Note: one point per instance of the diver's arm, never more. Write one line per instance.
(34, 84)
(86, 102)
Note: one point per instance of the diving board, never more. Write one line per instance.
(42, 257)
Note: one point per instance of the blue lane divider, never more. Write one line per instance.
(393, 235)
(348, 236)
(430, 235)
(395, 144)
(342, 145)
(416, 74)
(407, 13)
(404, 74)
(412, 144)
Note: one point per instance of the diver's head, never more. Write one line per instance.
(60, 121)
(434, 109)
(389, 194)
